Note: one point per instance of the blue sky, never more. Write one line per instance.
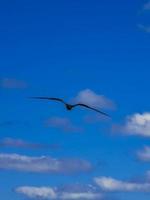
(96, 52)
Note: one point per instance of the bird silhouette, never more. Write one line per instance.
(69, 107)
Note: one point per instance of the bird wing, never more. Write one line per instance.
(86, 106)
(49, 98)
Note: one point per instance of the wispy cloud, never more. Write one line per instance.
(136, 124)
(146, 6)
(66, 193)
(12, 123)
(145, 9)
(144, 28)
(11, 83)
(7, 123)
(113, 185)
(144, 154)
(43, 164)
(89, 97)
(95, 118)
(64, 124)
(148, 175)
(19, 143)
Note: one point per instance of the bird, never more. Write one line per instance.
(68, 106)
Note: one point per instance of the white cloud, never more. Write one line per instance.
(81, 195)
(144, 154)
(136, 124)
(43, 164)
(47, 193)
(89, 97)
(81, 192)
(62, 123)
(13, 83)
(113, 185)
(37, 192)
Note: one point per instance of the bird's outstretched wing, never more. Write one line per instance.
(86, 106)
(49, 98)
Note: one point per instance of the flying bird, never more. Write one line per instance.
(69, 107)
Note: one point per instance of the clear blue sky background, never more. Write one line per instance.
(60, 48)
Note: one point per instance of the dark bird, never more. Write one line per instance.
(71, 106)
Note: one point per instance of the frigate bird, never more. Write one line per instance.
(69, 107)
